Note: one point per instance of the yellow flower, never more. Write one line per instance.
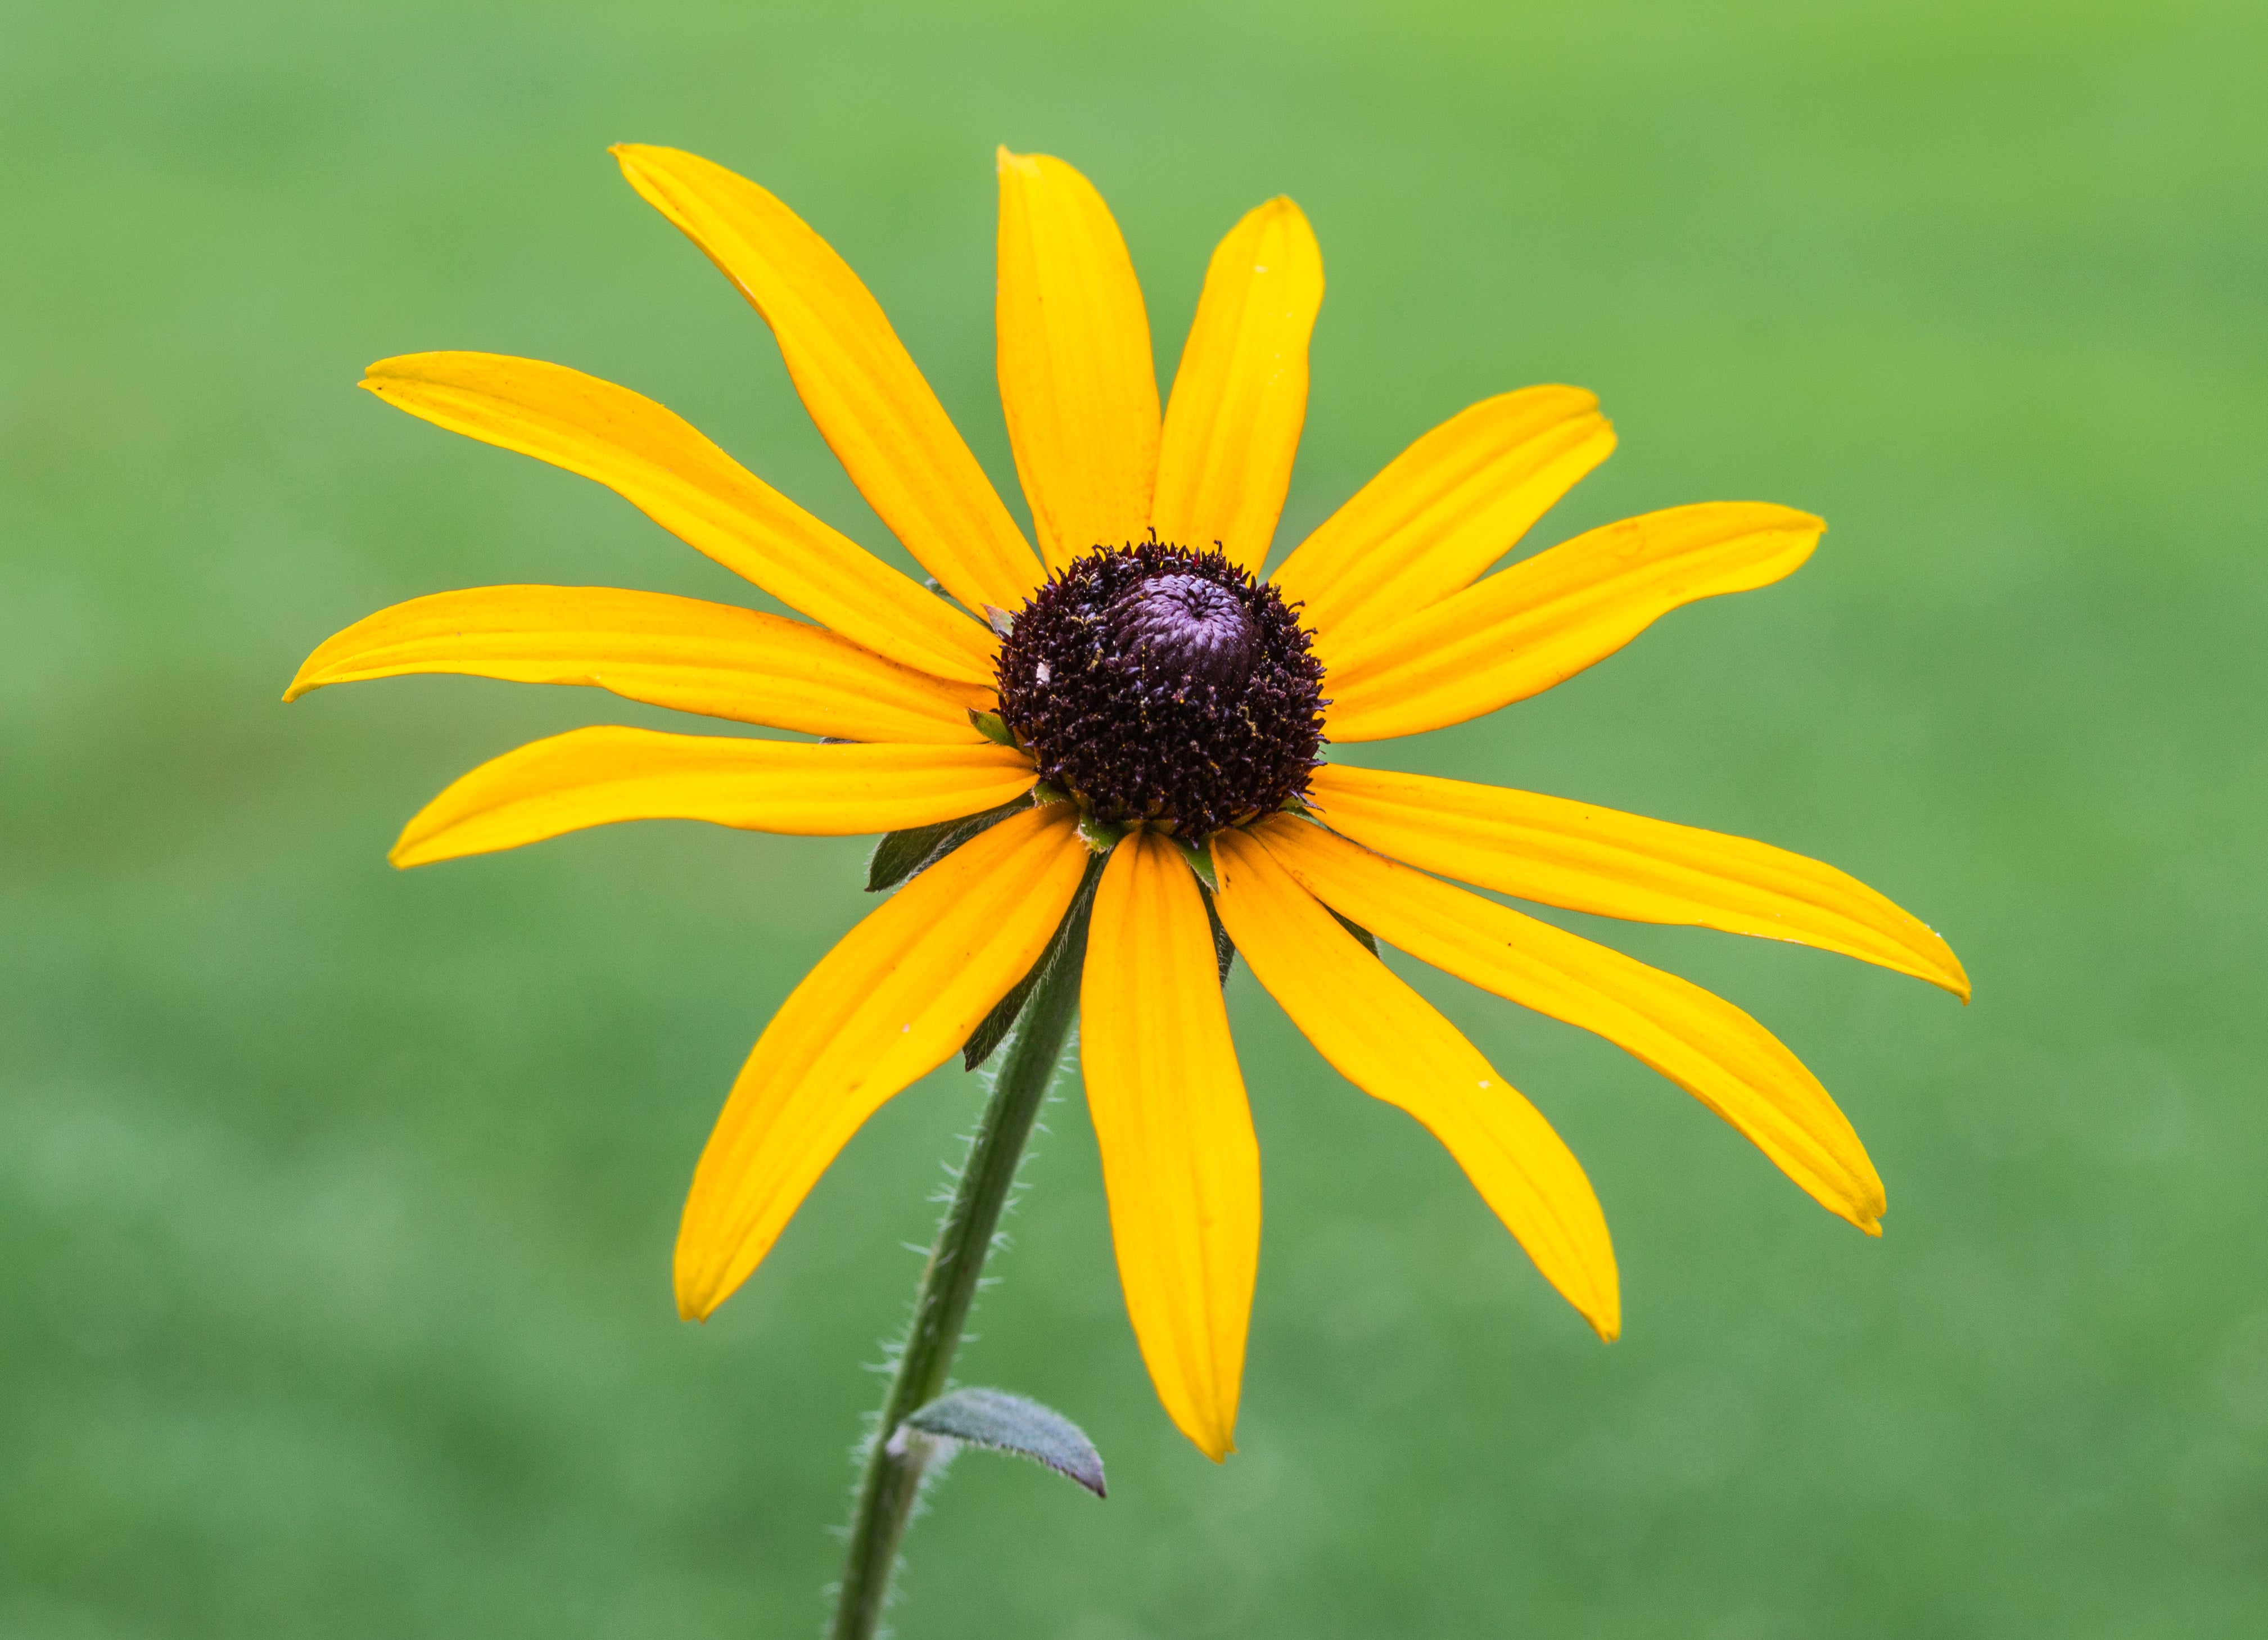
(1192, 745)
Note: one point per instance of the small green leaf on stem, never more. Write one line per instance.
(1002, 1423)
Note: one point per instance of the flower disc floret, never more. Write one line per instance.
(1156, 683)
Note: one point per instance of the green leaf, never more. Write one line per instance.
(1200, 858)
(1002, 1423)
(904, 853)
(1369, 940)
(995, 1026)
(990, 726)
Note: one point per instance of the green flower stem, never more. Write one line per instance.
(893, 1475)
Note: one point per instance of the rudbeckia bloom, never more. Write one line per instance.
(1131, 712)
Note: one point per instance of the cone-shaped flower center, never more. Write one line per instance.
(1156, 683)
(1184, 623)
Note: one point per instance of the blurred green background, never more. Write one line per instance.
(336, 1203)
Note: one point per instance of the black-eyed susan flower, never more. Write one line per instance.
(1134, 688)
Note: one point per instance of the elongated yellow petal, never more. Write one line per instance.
(1701, 1042)
(1179, 1159)
(679, 652)
(1587, 858)
(1390, 1042)
(1077, 379)
(657, 462)
(597, 776)
(1546, 618)
(1241, 396)
(1444, 510)
(884, 1008)
(855, 376)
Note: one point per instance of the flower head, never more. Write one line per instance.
(1135, 686)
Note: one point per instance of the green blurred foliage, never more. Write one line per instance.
(335, 1204)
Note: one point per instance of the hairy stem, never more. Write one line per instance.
(893, 1474)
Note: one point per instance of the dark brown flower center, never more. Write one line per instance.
(1152, 682)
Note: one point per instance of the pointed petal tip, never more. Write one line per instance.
(1955, 977)
(692, 1305)
(639, 160)
(694, 1283)
(413, 848)
(1866, 1214)
(1286, 210)
(1214, 1443)
(1602, 1307)
(305, 680)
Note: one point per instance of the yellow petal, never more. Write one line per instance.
(1390, 1042)
(1179, 1159)
(1232, 424)
(1706, 1046)
(855, 376)
(1076, 379)
(1548, 617)
(884, 1008)
(680, 652)
(658, 462)
(1444, 510)
(1587, 858)
(597, 776)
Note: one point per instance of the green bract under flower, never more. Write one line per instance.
(1156, 683)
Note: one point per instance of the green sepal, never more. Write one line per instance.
(903, 854)
(1224, 948)
(1100, 835)
(990, 726)
(1046, 793)
(1002, 1422)
(1369, 940)
(1292, 805)
(999, 620)
(1200, 859)
(993, 1029)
